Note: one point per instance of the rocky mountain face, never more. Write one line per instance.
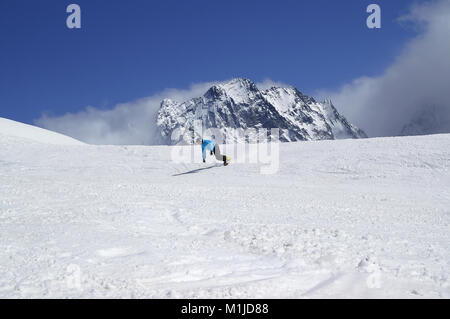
(429, 120)
(238, 106)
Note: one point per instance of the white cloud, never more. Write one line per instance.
(126, 123)
(419, 78)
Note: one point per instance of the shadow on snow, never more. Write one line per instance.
(197, 170)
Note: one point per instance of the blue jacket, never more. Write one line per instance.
(207, 145)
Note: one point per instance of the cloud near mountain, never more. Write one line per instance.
(414, 85)
(390, 104)
(126, 123)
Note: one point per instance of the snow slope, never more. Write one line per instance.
(10, 128)
(350, 218)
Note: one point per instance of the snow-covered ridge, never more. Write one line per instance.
(21, 130)
(239, 104)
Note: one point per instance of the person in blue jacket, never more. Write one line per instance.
(213, 148)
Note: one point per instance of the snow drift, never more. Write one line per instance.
(30, 132)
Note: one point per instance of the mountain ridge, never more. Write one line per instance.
(239, 104)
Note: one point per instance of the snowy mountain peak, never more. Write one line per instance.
(239, 89)
(238, 84)
(239, 104)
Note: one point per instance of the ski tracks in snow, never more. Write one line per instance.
(340, 219)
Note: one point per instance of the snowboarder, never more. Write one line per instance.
(213, 148)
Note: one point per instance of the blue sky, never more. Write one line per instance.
(132, 49)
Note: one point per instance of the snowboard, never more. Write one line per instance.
(228, 161)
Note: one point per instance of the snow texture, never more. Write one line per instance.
(365, 218)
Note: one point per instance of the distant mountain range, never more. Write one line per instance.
(239, 105)
(430, 120)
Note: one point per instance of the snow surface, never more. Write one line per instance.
(350, 218)
(13, 128)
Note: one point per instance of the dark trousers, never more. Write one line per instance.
(219, 156)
